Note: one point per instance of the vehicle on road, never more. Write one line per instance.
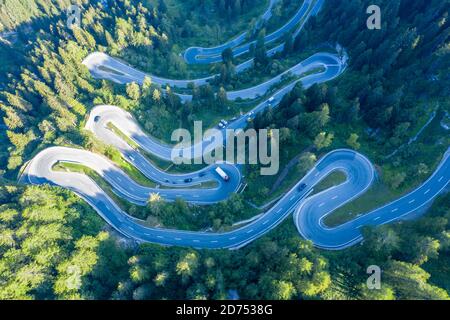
(188, 180)
(222, 174)
(301, 187)
(271, 99)
(97, 118)
(250, 116)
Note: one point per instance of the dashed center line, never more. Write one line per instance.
(334, 198)
(394, 210)
(322, 204)
(440, 179)
(427, 191)
(250, 231)
(377, 218)
(265, 222)
(412, 201)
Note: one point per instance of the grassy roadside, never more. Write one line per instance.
(333, 179)
(166, 166)
(258, 188)
(154, 160)
(73, 167)
(430, 147)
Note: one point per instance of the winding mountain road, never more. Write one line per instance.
(102, 66)
(309, 211)
(198, 55)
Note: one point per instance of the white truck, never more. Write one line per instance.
(222, 174)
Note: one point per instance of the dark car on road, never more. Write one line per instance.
(187, 180)
(301, 187)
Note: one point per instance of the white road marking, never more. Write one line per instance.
(196, 240)
(377, 218)
(250, 231)
(394, 210)
(214, 241)
(334, 198)
(361, 225)
(178, 239)
(440, 179)
(412, 201)
(232, 238)
(265, 222)
(322, 204)
(279, 210)
(292, 198)
(160, 237)
(427, 191)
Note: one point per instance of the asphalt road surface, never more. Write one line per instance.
(309, 211)
(102, 66)
(199, 55)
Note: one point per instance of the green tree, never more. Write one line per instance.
(133, 91)
(306, 162)
(352, 141)
(323, 140)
